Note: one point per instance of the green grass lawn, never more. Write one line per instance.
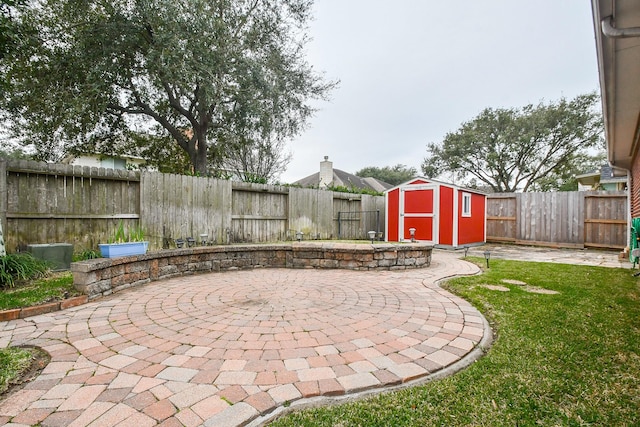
(13, 361)
(54, 287)
(569, 359)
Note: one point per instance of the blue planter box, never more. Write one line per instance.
(113, 250)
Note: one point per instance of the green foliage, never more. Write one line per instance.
(86, 254)
(353, 190)
(570, 359)
(10, 30)
(19, 267)
(13, 361)
(119, 235)
(538, 147)
(248, 177)
(337, 189)
(393, 175)
(14, 153)
(199, 74)
(55, 287)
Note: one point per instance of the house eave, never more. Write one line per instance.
(618, 65)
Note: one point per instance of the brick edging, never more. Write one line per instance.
(35, 310)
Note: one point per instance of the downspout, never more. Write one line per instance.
(609, 30)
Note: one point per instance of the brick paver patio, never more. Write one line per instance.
(226, 349)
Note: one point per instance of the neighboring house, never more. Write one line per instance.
(617, 34)
(328, 176)
(607, 179)
(104, 161)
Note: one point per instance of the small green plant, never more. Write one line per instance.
(120, 236)
(86, 254)
(19, 267)
(136, 235)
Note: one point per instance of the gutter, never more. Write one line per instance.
(609, 30)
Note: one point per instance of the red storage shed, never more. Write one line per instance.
(439, 213)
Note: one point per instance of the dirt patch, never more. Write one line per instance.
(496, 288)
(523, 285)
(513, 282)
(40, 359)
(536, 290)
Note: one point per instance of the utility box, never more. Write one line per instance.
(430, 211)
(58, 254)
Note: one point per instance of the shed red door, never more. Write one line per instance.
(418, 210)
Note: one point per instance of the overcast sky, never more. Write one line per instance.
(412, 70)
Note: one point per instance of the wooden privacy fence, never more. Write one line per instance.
(50, 203)
(578, 219)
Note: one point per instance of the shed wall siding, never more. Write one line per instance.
(446, 216)
(471, 229)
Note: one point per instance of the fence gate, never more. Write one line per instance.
(356, 224)
(596, 219)
(605, 220)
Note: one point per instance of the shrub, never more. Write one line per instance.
(22, 266)
(86, 254)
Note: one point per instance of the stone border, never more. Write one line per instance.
(101, 277)
(21, 313)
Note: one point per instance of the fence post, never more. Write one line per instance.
(3, 204)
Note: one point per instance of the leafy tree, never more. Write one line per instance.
(507, 150)
(14, 153)
(564, 179)
(10, 32)
(196, 71)
(260, 160)
(393, 175)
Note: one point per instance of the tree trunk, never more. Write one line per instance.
(198, 153)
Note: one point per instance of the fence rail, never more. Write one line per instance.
(595, 219)
(49, 203)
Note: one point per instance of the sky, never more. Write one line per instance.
(411, 71)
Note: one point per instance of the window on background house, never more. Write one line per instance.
(113, 162)
(466, 204)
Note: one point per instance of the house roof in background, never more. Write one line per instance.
(346, 179)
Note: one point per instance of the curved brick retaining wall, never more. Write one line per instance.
(104, 276)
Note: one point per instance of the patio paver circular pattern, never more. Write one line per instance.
(227, 348)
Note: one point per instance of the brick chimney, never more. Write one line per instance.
(326, 173)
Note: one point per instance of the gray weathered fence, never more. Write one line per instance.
(47, 203)
(565, 219)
